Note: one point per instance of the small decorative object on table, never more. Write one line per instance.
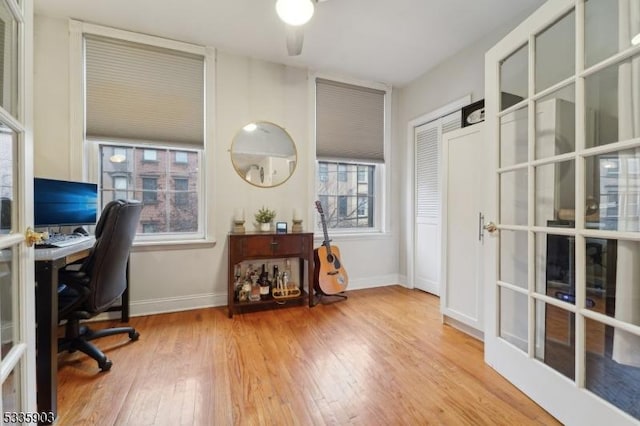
(297, 221)
(264, 217)
(238, 221)
(238, 227)
(283, 288)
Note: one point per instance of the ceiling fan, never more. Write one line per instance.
(295, 13)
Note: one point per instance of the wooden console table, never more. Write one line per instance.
(262, 246)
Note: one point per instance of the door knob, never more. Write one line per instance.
(32, 237)
(491, 227)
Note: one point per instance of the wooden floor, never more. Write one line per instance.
(382, 357)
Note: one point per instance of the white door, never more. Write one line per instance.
(428, 148)
(464, 154)
(17, 293)
(563, 295)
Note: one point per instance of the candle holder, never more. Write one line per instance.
(297, 225)
(238, 226)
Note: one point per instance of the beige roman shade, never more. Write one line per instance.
(349, 122)
(143, 93)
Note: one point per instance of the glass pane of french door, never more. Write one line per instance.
(513, 77)
(606, 21)
(8, 291)
(12, 392)
(613, 365)
(12, 342)
(8, 60)
(555, 61)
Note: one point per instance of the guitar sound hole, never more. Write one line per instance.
(331, 259)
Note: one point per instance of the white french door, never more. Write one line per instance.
(17, 293)
(563, 300)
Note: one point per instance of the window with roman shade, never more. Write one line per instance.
(349, 121)
(148, 102)
(144, 93)
(350, 149)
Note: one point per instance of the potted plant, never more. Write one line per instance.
(264, 216)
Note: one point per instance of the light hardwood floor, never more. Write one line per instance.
(382, 357)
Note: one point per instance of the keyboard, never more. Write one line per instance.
(62, 240)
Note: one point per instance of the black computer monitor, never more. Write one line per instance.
(60, 202)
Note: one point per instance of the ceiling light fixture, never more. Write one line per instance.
(295, 12)
(636, 40)
(117, 158)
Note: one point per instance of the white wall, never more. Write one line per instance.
(460, 75)
(173, 278)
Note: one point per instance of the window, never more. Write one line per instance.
(170, 198)
(362, 175)
(120, 184)
(147, 131)
(182, 157)
(346, 204)
(149, 190)
(323, 172)
(119, 155)
(342, 206)
(350, 144)
(362, 206)
(149, 228)
(342, 173)
(182, 194)
(150, 155)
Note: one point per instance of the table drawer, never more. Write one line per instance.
(280, 245)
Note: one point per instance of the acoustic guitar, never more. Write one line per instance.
(330, 276)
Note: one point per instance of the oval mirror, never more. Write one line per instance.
(263, 154)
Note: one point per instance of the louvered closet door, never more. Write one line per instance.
(428, 148)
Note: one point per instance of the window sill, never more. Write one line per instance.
(145, 246)
(352, 236)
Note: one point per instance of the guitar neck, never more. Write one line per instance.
(326, 234)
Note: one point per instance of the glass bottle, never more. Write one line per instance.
(265, 286)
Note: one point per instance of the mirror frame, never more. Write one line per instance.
(242, 173)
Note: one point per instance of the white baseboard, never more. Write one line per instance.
(478, 334)
(404, 281)
(198, 301)
(168, 304)
(372, 282)
(175, 304)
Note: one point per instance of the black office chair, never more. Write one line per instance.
(100, 281)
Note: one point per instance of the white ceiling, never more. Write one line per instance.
(391, 41)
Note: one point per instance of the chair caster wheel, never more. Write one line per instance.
(134, 336)
(106, 365)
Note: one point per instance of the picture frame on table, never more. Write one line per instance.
(281, 227)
